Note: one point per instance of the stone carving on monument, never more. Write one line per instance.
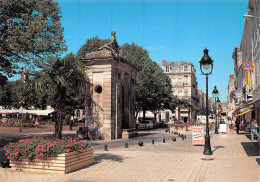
(110, 114)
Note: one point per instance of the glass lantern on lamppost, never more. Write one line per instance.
(206, 67)
(215, 96)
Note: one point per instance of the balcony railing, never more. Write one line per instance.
(188, 98)
(180, 84)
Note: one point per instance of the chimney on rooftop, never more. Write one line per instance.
(163, 62)
(231, 77)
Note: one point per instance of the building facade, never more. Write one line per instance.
(201, 100)
(231, 102)
(184, 86)
(247, 79)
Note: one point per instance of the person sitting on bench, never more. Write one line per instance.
(254, 127)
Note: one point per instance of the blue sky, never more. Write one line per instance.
(173, 30)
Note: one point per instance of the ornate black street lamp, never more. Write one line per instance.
(218, 101)
(206, 67)
(215, 96)
(219, 112)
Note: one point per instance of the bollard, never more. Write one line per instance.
(126, 145)
(5, 163)
(105, 148)
(164, 140)
(182, 137)
(140, 143)
(185, 136)
(152, 141)
(173, 139)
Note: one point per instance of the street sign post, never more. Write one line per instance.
(247, 77)
(248, 65)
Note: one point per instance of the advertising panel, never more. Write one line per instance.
(222, 128)
(247, 77)
(198, 135)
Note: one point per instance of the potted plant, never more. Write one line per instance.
(178, 126)
(51, 155)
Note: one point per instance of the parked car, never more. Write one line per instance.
(145, 125)
(162, 125)
(155, 124)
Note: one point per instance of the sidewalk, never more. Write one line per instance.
(235, 159)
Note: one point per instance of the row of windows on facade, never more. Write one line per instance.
(180, 92)
(179, 79)
(169, 68)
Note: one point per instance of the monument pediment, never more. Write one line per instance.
(108, 51)
(103, 52)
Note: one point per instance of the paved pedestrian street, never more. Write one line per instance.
(235, 159)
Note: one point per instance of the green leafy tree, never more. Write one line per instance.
(29, 30)
(62, 74)
(153, 90)
(91, 45)
(11, 95)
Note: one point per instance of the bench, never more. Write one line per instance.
(129, 133)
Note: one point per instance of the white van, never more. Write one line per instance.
(145, 125)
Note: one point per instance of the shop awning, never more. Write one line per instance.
(245, 112)
(236, 109)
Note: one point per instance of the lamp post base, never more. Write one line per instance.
(216, 129)
(207, 149)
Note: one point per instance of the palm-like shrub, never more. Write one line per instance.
(62, 74)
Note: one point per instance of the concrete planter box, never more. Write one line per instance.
(178, 129)
(63, 163)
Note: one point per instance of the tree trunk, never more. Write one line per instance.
(179, 113)
(59, 111)
(155, 116)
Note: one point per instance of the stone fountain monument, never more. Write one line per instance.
(111, 102)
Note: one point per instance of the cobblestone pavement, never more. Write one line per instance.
(235, 159)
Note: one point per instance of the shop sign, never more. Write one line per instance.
(247, 77)
(248, 65)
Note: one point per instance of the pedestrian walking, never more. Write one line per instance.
(36, 121)
(237, 124)
(71, 123)
(231, 126)
(212, 127)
